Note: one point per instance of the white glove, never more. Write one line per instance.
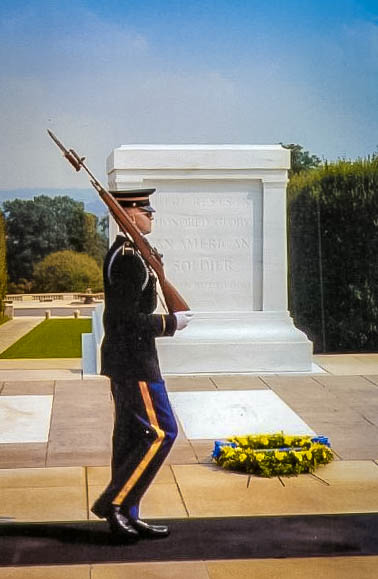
(183, 319)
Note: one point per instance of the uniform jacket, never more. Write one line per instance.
(128, 349)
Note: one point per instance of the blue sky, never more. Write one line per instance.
(102, 74)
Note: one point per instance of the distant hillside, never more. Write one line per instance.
(89, 197)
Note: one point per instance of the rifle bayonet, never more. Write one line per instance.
(175, 303)
(70, 155)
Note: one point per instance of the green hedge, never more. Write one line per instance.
(333, 255)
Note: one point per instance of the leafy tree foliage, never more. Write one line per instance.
(23, 286)
(103, 226)
(3, 264)
(67, 271)
(44, 225)
(301, 160)
(94, 241)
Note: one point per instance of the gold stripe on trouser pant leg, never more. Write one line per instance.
(113, 406)
(151, 451)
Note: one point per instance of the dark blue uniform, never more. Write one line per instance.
(145, 427)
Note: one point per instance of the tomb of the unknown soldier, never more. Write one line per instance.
(221, 227)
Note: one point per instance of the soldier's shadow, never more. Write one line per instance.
(70, 533)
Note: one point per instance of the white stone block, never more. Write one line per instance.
(221, 414)
(25, 418)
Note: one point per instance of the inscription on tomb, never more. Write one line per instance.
(207, 243)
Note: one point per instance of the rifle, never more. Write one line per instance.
(173, 300)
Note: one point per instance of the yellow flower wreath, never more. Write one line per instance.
(269, 455)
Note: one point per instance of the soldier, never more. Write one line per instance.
(144, 426)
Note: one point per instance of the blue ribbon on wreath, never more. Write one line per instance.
(218, 447)
(321, 440)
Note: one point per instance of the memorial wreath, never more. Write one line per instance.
(269, 455)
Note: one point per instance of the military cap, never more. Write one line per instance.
(135, 198)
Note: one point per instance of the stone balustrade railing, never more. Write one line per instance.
(49, 297)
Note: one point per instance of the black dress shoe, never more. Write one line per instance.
(146, 530)
(120, 525)
(100, 512)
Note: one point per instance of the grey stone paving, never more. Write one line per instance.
(344, 408)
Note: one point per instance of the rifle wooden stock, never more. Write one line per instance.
(174, 301)
(173, 298)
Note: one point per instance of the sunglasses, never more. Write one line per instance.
(146, 213)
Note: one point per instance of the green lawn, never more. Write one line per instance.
(51, 339)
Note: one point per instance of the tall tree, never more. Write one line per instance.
(44, 225)
(301, 160)
(94, 241)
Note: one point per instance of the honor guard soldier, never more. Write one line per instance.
(144, 424)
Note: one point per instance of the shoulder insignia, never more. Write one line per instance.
(127, 248)
(124, 249)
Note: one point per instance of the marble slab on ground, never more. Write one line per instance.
(219, 414)
(321, 568)
(25, 418)
(19, 455)
(209, 491)
(48, 503)
(325, 567)
(25, 388)
(348, 364)
(154, 570)
(238, 382)
(31, 364)
(48, 572)
(20, 374)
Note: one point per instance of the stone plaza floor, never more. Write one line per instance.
(58, 477)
